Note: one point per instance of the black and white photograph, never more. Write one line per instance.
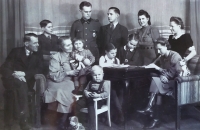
(99, 64)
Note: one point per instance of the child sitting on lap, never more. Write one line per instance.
(95, 89)
(82, 59)
(109, 59)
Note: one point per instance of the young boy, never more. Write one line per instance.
(95, 89)
(128, 54)
(48, 43)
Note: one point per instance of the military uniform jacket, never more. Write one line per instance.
(87, 30)
(118, 36)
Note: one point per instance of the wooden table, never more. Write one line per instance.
(137, 75)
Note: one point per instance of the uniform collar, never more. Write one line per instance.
(86, 21)
(125, 48)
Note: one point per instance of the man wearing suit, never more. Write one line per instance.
(87, 29)
(113, 33)
(18, 72)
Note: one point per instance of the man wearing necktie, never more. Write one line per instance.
(113, 33)
(87, 29)
(18, 71)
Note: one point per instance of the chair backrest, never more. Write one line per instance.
(108, 99)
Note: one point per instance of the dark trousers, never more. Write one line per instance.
(16, 100)
(91, 111)
(117, 94)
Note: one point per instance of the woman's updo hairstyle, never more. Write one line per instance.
(162, 41)
(178, 21)
(145, 13)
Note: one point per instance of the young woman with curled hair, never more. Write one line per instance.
(180, 41)
(147, 35)
(163, 83)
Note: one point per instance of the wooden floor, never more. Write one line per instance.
(134, 122)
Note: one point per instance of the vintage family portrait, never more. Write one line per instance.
(99, 64)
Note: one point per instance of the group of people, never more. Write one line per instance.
(72, 59)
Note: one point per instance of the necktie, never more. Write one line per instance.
(111, 26)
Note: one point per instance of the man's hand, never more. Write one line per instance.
(164, 79)
(22, 79)
(19, 73)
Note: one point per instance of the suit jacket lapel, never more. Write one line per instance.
(115, 31)
(23, 56)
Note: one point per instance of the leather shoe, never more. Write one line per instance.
(155, 123)
(146, 111)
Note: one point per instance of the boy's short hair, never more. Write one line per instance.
(44, 23)
(133, 37)
(116, 10)
(110, 47)
(84, 3)
(96, 67)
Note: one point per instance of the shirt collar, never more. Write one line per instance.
(114, 24)
(125, 48)
(27, 52)
(47, 35)
(85, 21)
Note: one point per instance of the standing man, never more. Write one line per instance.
(113, 33)
(18, 73)
(87, 28)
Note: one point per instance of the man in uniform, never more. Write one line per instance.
(87, 29)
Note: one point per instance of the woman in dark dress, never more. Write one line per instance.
(180, 41)
(147, 35)
(162, 83)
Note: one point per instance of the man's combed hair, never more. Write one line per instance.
(84, 3)
(27, 37)
(44, 23)
(116, 10)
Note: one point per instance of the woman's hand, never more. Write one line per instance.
(164, 79)
(72, 72)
